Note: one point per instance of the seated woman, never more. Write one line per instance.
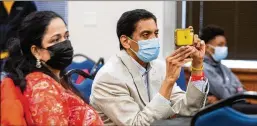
(38, 57)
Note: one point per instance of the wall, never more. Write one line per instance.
(59, 7)
(169, 25)
(235, 17)
(92, 24)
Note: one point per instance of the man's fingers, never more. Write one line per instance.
(182, 57)
(182, 48)
(198, 45)
(183, 54)
(196, 39)
(202, 46)
(186, 55)
(197, 42)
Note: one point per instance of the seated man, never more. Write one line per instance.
(223, 83)
(133, 88)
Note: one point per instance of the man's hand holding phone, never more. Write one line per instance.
(198, 55)
(186, 37)
(193, 52)
(174, 62)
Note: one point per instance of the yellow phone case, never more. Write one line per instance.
(184, 37)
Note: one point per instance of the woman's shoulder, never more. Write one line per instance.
(39, 79)
(35, 76)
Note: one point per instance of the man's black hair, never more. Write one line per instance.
(127, 23)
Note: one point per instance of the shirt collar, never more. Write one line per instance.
(142, 70)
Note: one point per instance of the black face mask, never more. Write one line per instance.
(61, 55)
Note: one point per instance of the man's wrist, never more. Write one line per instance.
(198, 67)
(166, 88)
(170, 82)
(197, 63)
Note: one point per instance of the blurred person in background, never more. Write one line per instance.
(134, 88)
(11, 15)
(38, 56)
(223, 82)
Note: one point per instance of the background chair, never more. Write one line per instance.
(87, 65)
(96, 67)
(84, 87)
(182, 80)
(222, 114)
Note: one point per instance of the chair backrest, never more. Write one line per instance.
(81, 65)
(226, 116)
(96, 67)
(221, 114)
(83, 87)
(181, 82)
(80, 78)
(87, 63)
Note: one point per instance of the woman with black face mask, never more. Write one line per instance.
(38, 55)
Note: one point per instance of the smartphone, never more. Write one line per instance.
(184, 37)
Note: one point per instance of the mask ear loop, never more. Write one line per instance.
(212, 48)
(134, 42)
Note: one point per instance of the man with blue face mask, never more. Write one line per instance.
(134, 88)
(223, 83)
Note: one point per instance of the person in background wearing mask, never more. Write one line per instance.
(223, 83)
(133, 88)
(38, 56)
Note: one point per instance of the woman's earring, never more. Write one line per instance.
(38, 64)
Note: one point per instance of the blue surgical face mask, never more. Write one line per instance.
(220, 53)
(148, 49)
